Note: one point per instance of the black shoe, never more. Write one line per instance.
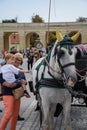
(26, 94)
(0, 110)
(20, 118)
(31, 86)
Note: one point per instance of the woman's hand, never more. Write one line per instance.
(23, 81)
(10, 85)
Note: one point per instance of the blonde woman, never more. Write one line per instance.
(11, 105)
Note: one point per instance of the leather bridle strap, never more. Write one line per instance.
(69, 64)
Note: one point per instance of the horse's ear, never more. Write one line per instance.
(75, 37)
(58, 35)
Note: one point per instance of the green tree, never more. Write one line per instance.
(52, 37)
(10, 20)
(37, 19)
(81, 19)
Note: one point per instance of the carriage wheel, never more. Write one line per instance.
(85, 101)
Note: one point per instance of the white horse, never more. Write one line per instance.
(49, 73)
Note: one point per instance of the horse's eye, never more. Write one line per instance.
(60, 53)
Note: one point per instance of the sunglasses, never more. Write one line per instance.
(18, 59)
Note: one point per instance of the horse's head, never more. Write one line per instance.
(65, 53)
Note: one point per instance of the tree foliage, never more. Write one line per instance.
(81, 19)
(10, 21)
(37, 19)
(52, 37)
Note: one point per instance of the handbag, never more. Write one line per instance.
(18, 92)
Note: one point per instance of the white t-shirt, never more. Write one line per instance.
(8, 72)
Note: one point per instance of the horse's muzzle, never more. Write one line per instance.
(71, 81)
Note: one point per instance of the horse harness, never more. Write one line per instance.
(54, 82)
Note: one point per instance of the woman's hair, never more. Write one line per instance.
(8, 56)
(19, 57)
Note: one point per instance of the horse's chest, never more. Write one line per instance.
(54, 95)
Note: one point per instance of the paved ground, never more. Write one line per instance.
(31, 122)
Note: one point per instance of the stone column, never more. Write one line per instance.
(84, 37)
(22, 42)
(1, 41)
(42, 36)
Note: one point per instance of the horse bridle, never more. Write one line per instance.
(60, 65)
(73, 92)
(69, 51)
(64, 66)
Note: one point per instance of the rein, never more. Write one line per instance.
(82, 77)
(60, 81)
(59, 72)
(75, 93)
(84, 69)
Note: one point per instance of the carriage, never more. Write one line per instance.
(55, 81)
(81, 85)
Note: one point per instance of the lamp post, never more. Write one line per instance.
(38, 43)
(49, 19)
(14, 37)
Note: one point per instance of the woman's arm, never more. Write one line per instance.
(10, 85)
(23, 81)
(24, 71)
(4, 83)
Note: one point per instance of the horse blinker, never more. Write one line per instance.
(60, 52)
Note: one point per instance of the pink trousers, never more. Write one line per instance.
(11, 111)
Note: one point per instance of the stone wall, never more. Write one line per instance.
(23, 29)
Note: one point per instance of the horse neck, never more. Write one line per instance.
(54, 66)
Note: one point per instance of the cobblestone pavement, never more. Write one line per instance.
(32, 118)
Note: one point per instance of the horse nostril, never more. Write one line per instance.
(73, 77)
(71, 81)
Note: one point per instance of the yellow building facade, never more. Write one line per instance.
(25, 29)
